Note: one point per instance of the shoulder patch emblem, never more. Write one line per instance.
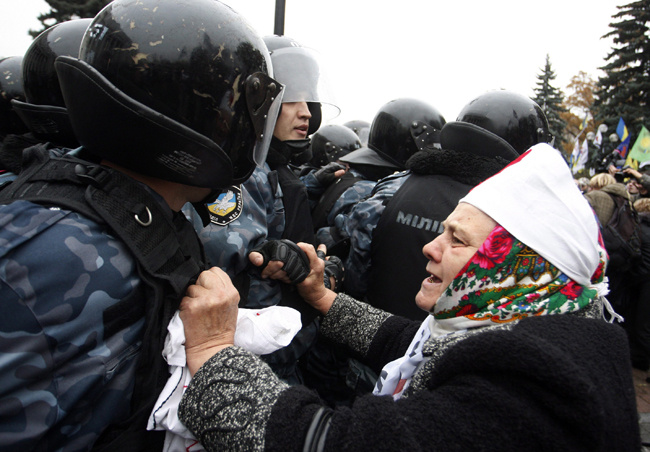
(227, 207)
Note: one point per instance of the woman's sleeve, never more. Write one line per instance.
(229, 401)
(539, 382)
(376, 336)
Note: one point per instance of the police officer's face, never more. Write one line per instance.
(293, 122)
(465, 231)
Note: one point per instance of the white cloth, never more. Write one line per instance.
(259, 331)
(536, 199)
(402, 369)
(396, 376)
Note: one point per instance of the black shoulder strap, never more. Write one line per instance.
(109, 197)
(36, 185)
(330, 196)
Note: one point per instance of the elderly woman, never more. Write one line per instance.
(513, 356)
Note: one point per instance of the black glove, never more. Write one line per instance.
(333, 269)
(296, 262)
(325, 176)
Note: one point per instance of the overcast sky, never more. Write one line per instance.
(445, 53)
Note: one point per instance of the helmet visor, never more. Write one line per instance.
(298, 70)
(263, 100)
(264, 139)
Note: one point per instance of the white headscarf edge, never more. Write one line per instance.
(536, 200)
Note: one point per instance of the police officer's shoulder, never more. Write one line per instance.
(260, 177)
(389, 181)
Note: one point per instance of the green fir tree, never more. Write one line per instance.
(63, 10)
(550, 99)
(624, 90)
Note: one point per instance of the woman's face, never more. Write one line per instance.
(293, 122)
(465, 231)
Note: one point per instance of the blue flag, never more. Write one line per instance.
(621, 131)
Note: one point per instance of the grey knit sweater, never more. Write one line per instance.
(229, 401)
(543, 383)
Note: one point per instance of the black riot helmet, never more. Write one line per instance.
(400, 128)
(11, 87)
(299, 70)
(39, 76)
(176, 91)
(332, 142)
(44, 108)
(501, 122)
(361, 128)
(275, 42)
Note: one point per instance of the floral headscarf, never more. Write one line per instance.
(506, 280)
(541, 218)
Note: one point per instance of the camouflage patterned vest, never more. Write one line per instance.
(168, 254)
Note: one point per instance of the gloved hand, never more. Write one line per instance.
(296, 262)
(329, 173)
(333, 269)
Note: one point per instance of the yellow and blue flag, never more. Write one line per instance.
(621, 131)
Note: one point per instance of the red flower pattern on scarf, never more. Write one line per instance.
(572, 289)
(484, 291)
(494, 249)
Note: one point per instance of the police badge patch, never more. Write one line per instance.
(227, 207)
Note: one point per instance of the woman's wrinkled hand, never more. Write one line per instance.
(313, 289)
(209, 314)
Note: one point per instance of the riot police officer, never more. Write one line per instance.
(273, 204)
(325, 170)
(400, 128)
(44, 109)
(361, 128)
(96, 255)
(366, 166)
(330, 143)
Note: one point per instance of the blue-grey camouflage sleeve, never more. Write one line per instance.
(358, 225)
(63, 376)
(314, 188)
(351, 197)
(337, 217)
(230, 237)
